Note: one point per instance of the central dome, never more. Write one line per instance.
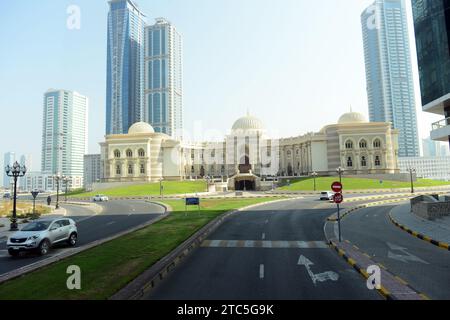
(248, 123)
(352, 117)
(141, 127)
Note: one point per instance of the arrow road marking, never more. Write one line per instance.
(406, 257)
(320, 277)
(261, 271)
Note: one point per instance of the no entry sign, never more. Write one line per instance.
(336, 187)
(338, 198)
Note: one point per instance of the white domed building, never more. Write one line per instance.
(247, 156)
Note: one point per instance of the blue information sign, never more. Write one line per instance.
(192, 201)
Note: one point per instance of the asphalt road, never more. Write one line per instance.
(275, 251)
(116, 217)
(424, 266)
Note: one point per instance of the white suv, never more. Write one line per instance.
(100, 198)
(41, 235)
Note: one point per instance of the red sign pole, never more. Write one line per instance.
(338, 198)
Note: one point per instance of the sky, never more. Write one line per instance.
(295, 64)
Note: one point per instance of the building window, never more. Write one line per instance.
(141, 153)
(349, 145)
(142, 169)
(377, 161)
(118, 171)
(117, 154)
(129, 153)
(377, 144)
(349, 162)
(363, 162)
(130, 169)
(363, 144)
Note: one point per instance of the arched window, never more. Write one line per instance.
(141, 153)
(129, 153)
(118, 171)
(377, 144)
(289, 153)
(363, 144)
(130, 169)
(377, 161)
(349, 162)
(142, 168)
(349, 144)
(363, 162)
(116, 154)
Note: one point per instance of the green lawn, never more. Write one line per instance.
(324, 184)
(150, 189)
(109, 267)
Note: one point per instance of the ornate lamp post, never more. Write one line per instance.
(15, 171)
(340, 171)
(66, 181)
(161, 187)
(314, 175)
(411, 172)
(58, 179)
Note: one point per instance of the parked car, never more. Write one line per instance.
(326, 195)
(100, 198)
(41, 235)
(7, 195)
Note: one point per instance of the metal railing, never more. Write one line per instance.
(441, 124)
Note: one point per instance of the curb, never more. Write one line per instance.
(69, 253)
(418, 235)
(150, 278)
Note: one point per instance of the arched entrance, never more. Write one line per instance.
(245, 185)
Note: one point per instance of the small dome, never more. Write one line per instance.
(141, 127)
(352, 117)
(248, 123)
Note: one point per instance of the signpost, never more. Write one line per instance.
(191, 202)
(34, 194)
(338, 198)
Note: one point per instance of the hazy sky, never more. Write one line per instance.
(295, 64)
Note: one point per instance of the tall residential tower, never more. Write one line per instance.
(390, 86)
(125, 70)
(164, 78)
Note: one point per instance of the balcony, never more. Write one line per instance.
(441, 130)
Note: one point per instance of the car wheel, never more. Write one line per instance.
(13, 253)
(72, 241)
(44, 247)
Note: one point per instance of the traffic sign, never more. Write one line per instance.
(338, 198)
(336, 187)
(34, 194)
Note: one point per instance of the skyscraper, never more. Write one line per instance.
(432, 29)
(163, 78)
(390, 86)
(9, 159)
(64, 133)
(125, 70)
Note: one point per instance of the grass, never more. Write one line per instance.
(324, 184)
(109, 267)
(149, 189)
(23, 208)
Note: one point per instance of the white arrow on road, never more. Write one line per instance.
(321, 277)
(405, 257)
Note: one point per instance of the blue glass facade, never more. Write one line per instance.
(125, 57)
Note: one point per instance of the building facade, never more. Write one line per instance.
(92, 170)
(163, 78)
(47, 183)
(8, 159)
(432, 29)
(247, 155)
(436, 168)
(390, 86)
(125, 69)
(64, 133)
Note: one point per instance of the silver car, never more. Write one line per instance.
(41, 235)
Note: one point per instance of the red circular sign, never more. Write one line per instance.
(338, 198)
(336, 187)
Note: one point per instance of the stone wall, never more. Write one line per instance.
(430, 208)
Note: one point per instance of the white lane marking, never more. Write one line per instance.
(267, 221)
(264, 244)
(261, 271)
(405, 257)
(4, 253)
(320, 277)
(110, 223)
(263, 236)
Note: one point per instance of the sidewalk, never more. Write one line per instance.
(436, 232)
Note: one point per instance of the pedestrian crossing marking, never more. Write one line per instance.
(264, 244)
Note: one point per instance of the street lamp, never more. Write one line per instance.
(340, 171)
(66, 181)
(314, 175)
(411, 172)
(15, 171)
(58, 178)
(161, 187)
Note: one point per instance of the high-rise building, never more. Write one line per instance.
(431, 148)
(92, 170)
(125, 69)
(164, 78)
(432, 29)
(390, 86)
(9, 159)
(64, 133)
(25, 160)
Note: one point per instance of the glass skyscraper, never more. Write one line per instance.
(163, 78)
(64, 133)
(125, 70)
(390, 86)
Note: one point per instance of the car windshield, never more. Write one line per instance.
(37, 226)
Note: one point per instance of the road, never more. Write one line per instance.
(117, 216)
(275, 251)
(424, 266)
